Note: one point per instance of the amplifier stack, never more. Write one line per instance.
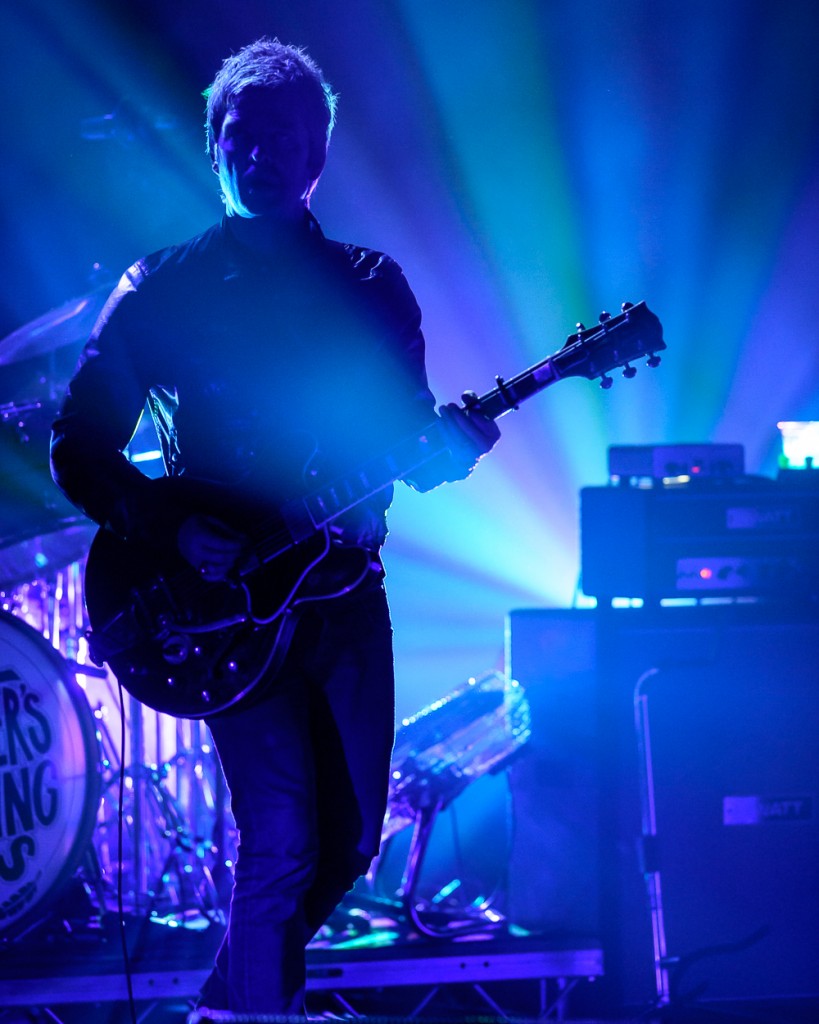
(685, 521)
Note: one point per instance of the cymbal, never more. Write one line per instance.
(38, 557)
(39, 529)
(68, 323)
(38, 358)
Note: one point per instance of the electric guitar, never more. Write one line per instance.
(190, 648)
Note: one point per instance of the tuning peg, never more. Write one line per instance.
(629, 371)
(653, 361)
(626, 306)
(606, 382)
(580, 328)
(604, 317)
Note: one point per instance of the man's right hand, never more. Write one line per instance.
(210, 546)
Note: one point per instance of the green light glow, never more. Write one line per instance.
(529, 164)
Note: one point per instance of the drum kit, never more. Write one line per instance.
(75, 753)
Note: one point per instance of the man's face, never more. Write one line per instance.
(263, 155)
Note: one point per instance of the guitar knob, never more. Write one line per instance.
(580, 328)
(653, 361)
(604, 317)
(626, 306)
(606, 382)
(629, 371)
(175, 649)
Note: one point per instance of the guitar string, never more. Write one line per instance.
(189, 584)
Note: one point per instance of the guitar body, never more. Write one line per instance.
(191, 648)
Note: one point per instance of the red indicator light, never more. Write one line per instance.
(706, 573)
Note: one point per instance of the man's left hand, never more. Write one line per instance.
(468, 434)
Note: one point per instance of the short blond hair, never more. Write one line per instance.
(270, 64)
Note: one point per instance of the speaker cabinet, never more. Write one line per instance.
(727, 845)
(554, 868)
(728, 712)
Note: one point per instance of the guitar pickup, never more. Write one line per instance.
(298, 520)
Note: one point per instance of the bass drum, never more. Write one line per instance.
(49, 775)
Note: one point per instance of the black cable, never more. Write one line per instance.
(120, 903)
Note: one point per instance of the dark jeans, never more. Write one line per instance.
(308, 771)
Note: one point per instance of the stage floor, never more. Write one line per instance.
(79, 978)
(382, 974)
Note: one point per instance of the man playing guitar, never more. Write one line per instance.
(270, 358)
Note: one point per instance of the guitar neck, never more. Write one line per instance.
(508, 395)
(590, 353)
(315, 510)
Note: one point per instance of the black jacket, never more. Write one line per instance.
(250, 366)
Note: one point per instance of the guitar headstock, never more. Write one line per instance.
(615, 341)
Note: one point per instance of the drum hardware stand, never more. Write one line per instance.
(426, 816)
(153, 819)
(185, 860)
(474, 730)
(226, 852)
(138, 758)
(202, 790)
